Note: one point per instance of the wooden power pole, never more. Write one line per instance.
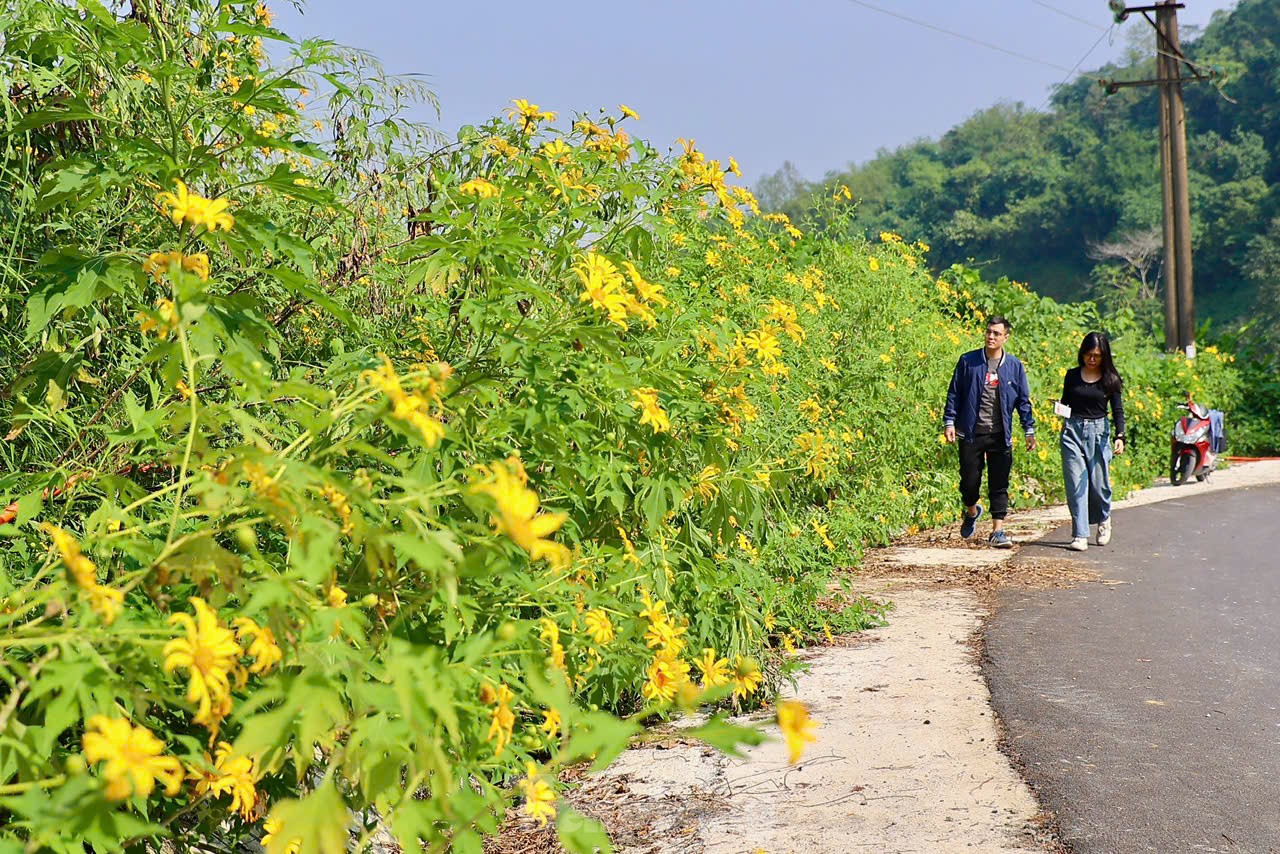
(1179, 299)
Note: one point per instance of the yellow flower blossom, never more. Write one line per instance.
(231, 774)
(538, 795)
(627, 112)
(478, 187)
(665, 635)
(273, 828)
(502, 719)
(746, 677)
(667, 673)
(260, 645)
(528, 114)
(821, 531)
(551, 723)
(797, 727)
(602, 286)
(209, 653)
(517, 513)
(159, 263)
(183, 206)
(599, 627)
(551, 634)
(651, 412)
(714, 670)
(764, 343)
(134, 757)
(874, 264)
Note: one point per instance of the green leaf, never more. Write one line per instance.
(318, 821)
(724, 736)
(580, 834)
(600, 737)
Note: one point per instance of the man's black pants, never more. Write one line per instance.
(998, 456)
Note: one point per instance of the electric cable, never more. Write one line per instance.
(961, 36)
(1107, 31)
(1067, 14)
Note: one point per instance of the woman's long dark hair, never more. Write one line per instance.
(1111, 381)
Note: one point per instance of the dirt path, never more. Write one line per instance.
(907, 757)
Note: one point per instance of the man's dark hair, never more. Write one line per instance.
(1002, 320)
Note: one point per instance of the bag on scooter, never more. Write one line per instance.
(1217, 431)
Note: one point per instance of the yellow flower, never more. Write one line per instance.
(811, 409)
(821, 531)
(231, 775)
(667, 674)
(712, 258)
(208, 653)
(538, 795)
(714, 670)
(874, 264)
(517, 513)
(797, 727)
(651, 412)
(551, 723)
(551, 634)
(262, 645)
(627, 112)
(336, 597)
(411, 407)
(133, 757)
(107, 602)
(764, 343)
(159, 263)
(185, 206)
(666, 635)
(602, 286)
(502, 719)
(746, 677)
(645, 290)
(273, 827)
(81, 569)
(599, 627)
(529, 114)
(478, 187)
(817, 453)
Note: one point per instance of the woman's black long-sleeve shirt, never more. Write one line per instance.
(1089, 400)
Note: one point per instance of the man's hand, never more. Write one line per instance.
(1031, 441)
(950, 432)
(1119, 446)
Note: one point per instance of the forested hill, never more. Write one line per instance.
(1062, 198)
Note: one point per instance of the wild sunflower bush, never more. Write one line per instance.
(358, 480)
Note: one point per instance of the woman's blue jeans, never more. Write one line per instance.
(1086, 469)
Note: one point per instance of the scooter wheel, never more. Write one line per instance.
(1181, 469)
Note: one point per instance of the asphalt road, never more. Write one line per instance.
(1146, 714)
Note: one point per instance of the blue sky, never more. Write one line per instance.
(821, 83)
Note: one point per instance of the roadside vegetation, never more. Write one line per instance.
(359, 480)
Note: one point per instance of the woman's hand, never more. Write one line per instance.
(1119, 446)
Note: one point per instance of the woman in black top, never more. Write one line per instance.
(1086, 438)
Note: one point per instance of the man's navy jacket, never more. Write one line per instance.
(965, 394)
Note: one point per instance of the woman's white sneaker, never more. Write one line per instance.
(1079, 544)
(1104, 532)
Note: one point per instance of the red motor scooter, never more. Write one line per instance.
(1193, 452)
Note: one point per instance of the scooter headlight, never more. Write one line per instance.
(1190, 437)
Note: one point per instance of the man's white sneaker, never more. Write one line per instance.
(1104, 532)
(1079, 544)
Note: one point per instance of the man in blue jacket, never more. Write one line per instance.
(988, 384)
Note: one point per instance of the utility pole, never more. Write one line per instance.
(1179, 299)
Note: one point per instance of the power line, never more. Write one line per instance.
(963, 37)
(1105, 32)
(1067, 14)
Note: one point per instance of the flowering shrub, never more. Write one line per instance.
(357, 484)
